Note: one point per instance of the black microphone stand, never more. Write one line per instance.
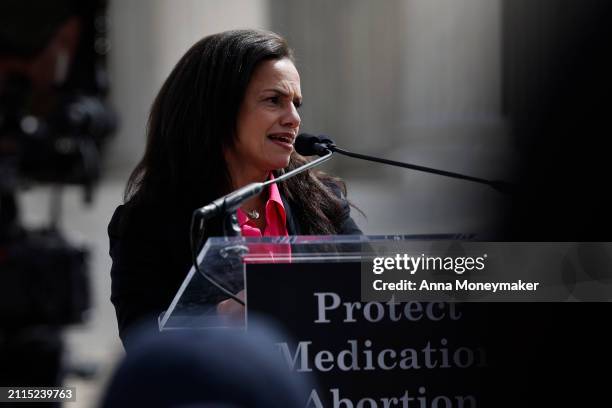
(228, 205)
(231, 202)
(499, 185)
(231, 228)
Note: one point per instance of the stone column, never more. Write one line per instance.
(147, 39)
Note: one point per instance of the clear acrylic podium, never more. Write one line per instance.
(225, 259)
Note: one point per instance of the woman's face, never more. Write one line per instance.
(268, 120)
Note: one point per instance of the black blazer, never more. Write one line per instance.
(149, 246)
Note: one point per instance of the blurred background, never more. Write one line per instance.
(514, 90)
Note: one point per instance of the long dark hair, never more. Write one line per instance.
(193, 119)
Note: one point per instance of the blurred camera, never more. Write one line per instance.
(54, 123)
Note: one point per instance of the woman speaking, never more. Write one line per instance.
(226, 116)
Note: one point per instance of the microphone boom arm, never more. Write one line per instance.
(228, 205)
(501, 186)
(300, 169)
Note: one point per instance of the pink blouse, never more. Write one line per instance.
(276, 226)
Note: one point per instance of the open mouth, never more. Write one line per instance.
(283, 138)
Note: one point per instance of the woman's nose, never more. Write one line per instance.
(291, 118)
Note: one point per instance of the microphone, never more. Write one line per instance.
(309, 145)
(228, 204)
